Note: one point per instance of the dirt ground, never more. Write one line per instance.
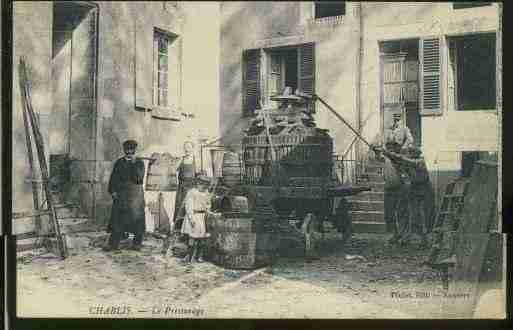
(385, 282)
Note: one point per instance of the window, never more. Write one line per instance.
(472, 62)
(329, 8)
(268, 71)
(463, 5)
(160, 69)
(166, 72)
(283, 71)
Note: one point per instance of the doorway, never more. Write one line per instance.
(400, 85)
(74, 71)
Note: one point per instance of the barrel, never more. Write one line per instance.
(237, 244)
(299, 156)
(239, 204)
(231, 169)
(161, 174)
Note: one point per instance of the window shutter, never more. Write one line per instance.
(144, 66)
(430, 83)
(251, 81)
(307, 69)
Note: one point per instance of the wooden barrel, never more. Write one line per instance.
(239, 204)
(237, 244)
(231, 169)
(161, 174)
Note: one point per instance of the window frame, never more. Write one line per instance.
(315, 18)
(264, 66)
(470, 5)
(171, 38)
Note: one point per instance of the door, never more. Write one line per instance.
(400, 93)
(74, 69)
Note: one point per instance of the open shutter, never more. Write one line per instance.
(430, 99)
(251, 81)
(144, 66)
(307, 69)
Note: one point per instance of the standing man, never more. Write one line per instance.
(400, 135)
(394, 203)
(126, 188)
(419, 188)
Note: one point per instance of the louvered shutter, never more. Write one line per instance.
(307, 69)
(144, 66)
(430, 99)
(251, 81)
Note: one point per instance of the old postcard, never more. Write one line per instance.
(324, 159)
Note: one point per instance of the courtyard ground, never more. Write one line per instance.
(383, 282)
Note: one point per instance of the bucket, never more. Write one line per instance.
(231, 169)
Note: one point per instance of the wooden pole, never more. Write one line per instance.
(342, 120)
(35, 186)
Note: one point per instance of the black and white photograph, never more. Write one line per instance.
(257, 160)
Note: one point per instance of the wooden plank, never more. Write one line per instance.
(22, 226)
(27, 244)
(26, 214)
(31, 234)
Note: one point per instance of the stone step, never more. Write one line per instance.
(367, 206)
(369, 227)
(376, 186)
(367, 216)
(66, 212)
(372, 167)
(75, 225)
(367, 196)
(366, 177)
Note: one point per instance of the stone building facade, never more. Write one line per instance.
(433, 62)
(96, 70)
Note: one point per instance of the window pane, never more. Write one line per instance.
(162, 44)
(476, 72)
(162, 80)
(329, 8)
(163, 63)
(162, 97)
(463, 5)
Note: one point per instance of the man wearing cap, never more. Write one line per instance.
(126, 188)
(197, 205)
(419, 187)
(400, 135)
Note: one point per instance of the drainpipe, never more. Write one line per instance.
(358, 76)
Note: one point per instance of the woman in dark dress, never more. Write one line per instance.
(186, 175)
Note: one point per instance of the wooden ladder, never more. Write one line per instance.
(30, 120)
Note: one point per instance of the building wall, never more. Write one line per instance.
(252, 25)
(444, 136)
(35, 44)
(125, 30)
(249, 25)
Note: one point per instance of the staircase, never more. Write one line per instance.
(367, 209)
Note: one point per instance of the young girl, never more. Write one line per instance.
(197, 205)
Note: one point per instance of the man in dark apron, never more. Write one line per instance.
(126, 188)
